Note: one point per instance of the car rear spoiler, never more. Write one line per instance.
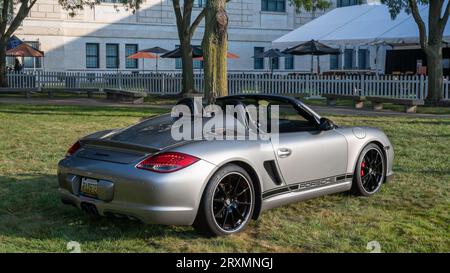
(118, 145)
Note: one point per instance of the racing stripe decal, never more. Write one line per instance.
(307, 185)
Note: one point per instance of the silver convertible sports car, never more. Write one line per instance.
(142, 172)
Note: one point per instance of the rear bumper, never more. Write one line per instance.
(153, 198)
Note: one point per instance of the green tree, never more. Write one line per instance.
(13, 12)
(186, 30)
(430, 39)
(215, 47)
(215, 43)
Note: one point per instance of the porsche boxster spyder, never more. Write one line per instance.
(142, 172)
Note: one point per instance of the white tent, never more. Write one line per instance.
(357, 25)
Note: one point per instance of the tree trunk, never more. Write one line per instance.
(435, 74)
(434, 53)
(215, 47)
(188, 68)
(3, 79)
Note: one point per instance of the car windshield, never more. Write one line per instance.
(288, 118)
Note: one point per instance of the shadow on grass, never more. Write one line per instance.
(30, 208)
(109, 111)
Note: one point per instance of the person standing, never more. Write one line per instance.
(17, 65)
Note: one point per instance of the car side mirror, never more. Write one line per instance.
(326, 124)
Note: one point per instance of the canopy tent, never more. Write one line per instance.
(359, 24)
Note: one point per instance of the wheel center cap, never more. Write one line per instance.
(227, 201)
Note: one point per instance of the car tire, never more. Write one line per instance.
(227, 203)
(370, 171)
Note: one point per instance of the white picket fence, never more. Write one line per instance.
(414, 87)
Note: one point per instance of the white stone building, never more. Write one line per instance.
(100, 38)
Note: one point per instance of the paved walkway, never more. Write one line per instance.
(338, 110)
(341, 110)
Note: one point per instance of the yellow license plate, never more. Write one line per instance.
(89, 187)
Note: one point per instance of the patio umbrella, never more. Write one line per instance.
(156, 50)
(25, 50)
(142, 55)
(13, 42)
(176, 53)
(197, 54)
(230, 55)
(313, 48)
(271, 53)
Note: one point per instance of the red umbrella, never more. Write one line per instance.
(142, 55)
(24, 50)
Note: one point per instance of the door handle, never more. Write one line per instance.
(284, 152)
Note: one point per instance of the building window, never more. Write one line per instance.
(363, 59)
(348, 58)
(334, 62)
(199, 3)
(346, 3)
(289, 62)
(258, 63)
(92, 56)
(130, 49)
(273, 5)
(198, 64)
(32, 62)
(112, 55)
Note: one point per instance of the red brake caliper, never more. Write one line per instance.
(363, 165)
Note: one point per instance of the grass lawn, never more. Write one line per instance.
(410, 214)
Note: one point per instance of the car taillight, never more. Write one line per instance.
(73, 148)
(167, 162)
